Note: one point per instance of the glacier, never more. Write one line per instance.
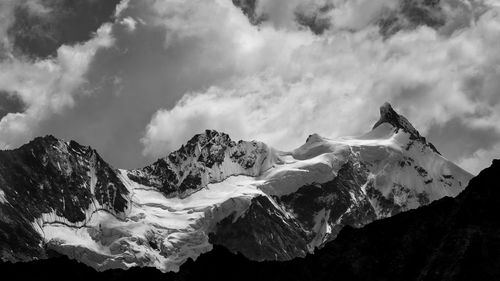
(254, 199)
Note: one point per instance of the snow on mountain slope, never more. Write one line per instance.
(328, 183)
(158, 231)
(206, 158)
(264, 203)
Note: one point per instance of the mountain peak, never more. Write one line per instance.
(209, 135)
(207, 138)
(313, 138)
(42, 143)
(47, 138)
(244, 195)
(45, 142)
(389, 115)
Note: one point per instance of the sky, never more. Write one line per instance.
(137, 79)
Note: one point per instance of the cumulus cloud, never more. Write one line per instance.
(288, 83)
(129, 23)
(339, 14)
(358, 14)
(121, 7)
(45, 86)
(177, 67)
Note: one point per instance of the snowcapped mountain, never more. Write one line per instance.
(251, 198)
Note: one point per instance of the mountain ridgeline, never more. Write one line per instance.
(246, 197)
(450, 239)
(51, 176)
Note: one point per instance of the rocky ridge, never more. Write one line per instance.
(264, 203)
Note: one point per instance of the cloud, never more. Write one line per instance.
(480, 159)
(10, 103)
(47, 86)
(164, 70)
(287, 83)
(121, 7)
(129, 23)
(42, 83)
(6, 19)
(358, 14)
(39, 28)
(336, 14)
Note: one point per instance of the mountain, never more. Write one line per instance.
(326, 184)
(51, 180)
(267, 204)
(449, 239)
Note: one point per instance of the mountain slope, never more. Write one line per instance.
(51, 178)
(450, 239)
(328, 183)
(246, 196)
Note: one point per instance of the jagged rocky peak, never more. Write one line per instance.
(264, 203)
(50, 145)
(53, 153)
(210, 136)
(43, 143)
(52, 178)
(313, 138)
(207, 157)
(208, 146)
(45, 139)
(389, 115)
(399, 122)
(61, 176)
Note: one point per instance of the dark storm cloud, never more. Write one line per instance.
(40, 27)
(411, 14)
(316, 19)
(10, 103)
(391, 16)
(46, 85)
(248, 7)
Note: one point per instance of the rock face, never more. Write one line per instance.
(389, 116)
(246, 196)
(49, 176)
(450, 239)
(206, 158)
(346, 181)
(299, 222)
